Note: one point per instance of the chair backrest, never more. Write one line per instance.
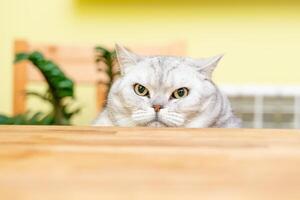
(78, 62)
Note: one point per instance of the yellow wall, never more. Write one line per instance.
(261, 39)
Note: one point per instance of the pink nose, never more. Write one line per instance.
(157, 107)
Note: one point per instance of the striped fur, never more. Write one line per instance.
(205, 106)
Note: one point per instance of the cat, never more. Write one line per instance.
(166, 91)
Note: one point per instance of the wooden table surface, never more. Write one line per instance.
(66, 163)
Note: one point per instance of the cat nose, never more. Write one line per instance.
(157, 107)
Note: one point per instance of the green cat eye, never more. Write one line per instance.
(180, 93)
(140, 90)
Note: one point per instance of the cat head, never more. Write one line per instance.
(160, 90)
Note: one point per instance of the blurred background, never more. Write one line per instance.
(261, 41)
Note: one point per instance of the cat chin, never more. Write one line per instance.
(156, 124)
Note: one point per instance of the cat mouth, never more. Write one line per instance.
(156, 123)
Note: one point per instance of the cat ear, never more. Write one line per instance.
(208, 65)
(125, 58)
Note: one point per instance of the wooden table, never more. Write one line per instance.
(66, 163)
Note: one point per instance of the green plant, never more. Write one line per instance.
(60, 94)
(107, 63)
(28, 118)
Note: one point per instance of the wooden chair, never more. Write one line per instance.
(78, 62)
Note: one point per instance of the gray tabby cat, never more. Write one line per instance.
(165, 91)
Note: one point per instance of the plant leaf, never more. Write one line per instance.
(21, 56)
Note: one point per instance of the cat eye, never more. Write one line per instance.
(140, 90)
(180, 93)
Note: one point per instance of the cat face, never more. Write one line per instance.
(160, 91)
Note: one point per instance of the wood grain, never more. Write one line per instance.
(142, 163)
(19, 79)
